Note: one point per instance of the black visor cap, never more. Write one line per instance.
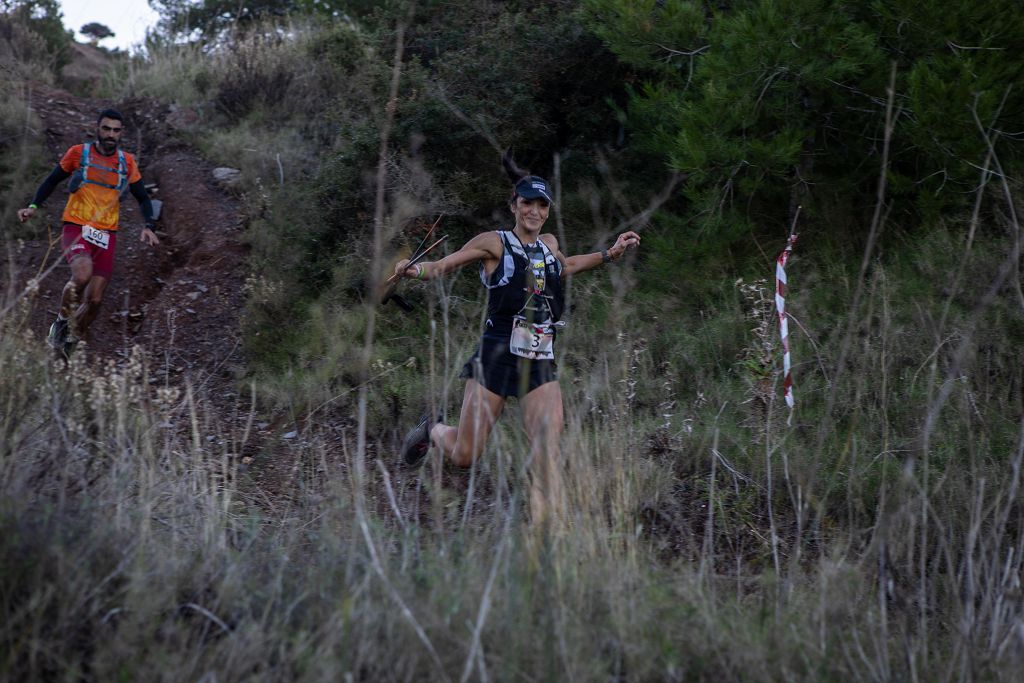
(534, 187)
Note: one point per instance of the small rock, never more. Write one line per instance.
(228, 177)
(290, 435)
(182, 118)
(193, 295)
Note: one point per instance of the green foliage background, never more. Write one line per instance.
(760, 107)
(713, 540)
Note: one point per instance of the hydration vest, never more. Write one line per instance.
(81, 175)
(509, 285)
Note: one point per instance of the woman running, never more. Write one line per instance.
(523, 271)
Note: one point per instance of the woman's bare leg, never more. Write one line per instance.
(480, 410)
(543, 418)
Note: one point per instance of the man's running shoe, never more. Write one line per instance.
(69, 345)
(58, 335)
(417, 441)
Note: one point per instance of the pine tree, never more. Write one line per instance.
(96, 31)
(767, 104)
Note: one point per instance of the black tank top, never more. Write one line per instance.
(512, 287)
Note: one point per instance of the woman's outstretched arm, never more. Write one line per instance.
(582, 262)
(485, 246)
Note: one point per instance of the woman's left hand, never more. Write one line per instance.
(626, 240)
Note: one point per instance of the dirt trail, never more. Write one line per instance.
(181, 300)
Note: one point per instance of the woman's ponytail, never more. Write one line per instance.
(515, 174)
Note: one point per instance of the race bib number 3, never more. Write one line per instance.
(535, 342)
(100, 238)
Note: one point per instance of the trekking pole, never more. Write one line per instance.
(423, 241)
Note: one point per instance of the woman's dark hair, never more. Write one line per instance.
(110, 114)
(514, 173)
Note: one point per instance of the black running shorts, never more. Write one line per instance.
(503, 373)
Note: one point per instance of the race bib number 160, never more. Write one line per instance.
(101, 238)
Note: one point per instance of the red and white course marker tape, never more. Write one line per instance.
(780, 306)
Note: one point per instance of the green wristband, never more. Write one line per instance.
(33, 206)
(420, 271)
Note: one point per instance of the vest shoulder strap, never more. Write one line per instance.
(121, 170)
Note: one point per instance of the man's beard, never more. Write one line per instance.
(108, 146)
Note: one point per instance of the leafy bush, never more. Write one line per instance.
(31, 46)
(25, 57)
(178, 74)
(43, 18)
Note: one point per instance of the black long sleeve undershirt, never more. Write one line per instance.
(59, 175)
(56, 177)
(138, 190)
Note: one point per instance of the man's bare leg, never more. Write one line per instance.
(90, 306)
(63, 330)
(81, 274)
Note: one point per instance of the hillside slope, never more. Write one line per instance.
(181, 300)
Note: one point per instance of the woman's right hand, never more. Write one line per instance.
(402, 269)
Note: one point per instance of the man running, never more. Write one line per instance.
(100, 173)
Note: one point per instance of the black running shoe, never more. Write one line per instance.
(58, 335)
(417, 441)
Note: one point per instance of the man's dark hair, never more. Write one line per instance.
(110, 114)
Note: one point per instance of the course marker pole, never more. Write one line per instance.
(780, 306)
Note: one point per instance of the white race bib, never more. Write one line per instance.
(101, 238)
(535, 342)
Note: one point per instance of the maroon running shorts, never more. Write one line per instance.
(74, 246)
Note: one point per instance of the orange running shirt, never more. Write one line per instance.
(92, 204)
